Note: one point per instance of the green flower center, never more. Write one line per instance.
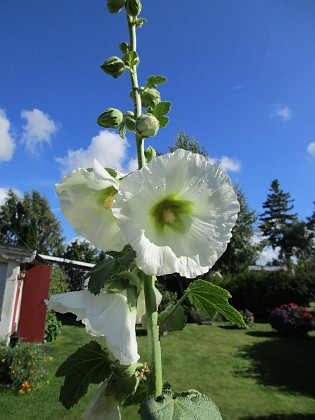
(106, 197)
(172, 213)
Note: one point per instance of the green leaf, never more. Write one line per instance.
(210, 299)
(174, 322)
(152, 81)
(122, 130)
(161, 108)
(122, 386)
(90, 364)
(99, 274)
(163, 121)
(127, 258)
(131, 59)
(140, 21)
(189, 405)
(140, 395)
(111, 172)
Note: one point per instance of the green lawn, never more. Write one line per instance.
(250, 374)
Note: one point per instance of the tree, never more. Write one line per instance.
(182, 141)
(82, 250)
(276, 219)
(30, 221)
(240, 252)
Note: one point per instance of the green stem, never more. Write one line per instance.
(178, 303)
(135, 89)
(155, 362)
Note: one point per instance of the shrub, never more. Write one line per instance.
(292, 320)
(262, 291)
(58, 281)
(22, 368)
(248, 317)
(52, 327)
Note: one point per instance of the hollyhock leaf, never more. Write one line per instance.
(99, 274)
(111, 172)
(89, 364)
(186, 405)
(163, 120)
(174, 322)
(140, 395)
(122, 386)
(122, 130)
(210, 299)
(152, 81)
(161, 109)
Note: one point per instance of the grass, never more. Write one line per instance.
(249, 374)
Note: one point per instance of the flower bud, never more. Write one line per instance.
(130, 121)
(113, 66)
(111, 118)
(115, 6)
(150, 97)
(149, 154)
(124, 47)
(133, 7)
(147, 125)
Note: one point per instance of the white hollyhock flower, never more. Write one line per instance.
(85, 199)
(102, 407)
(177, 213)
(105, 314)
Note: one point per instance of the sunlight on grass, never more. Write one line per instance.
(250, 374)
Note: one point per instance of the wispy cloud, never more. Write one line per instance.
(4, 195)
(227, 163)
(38, 129)
(7, 143)
(107, 147)
(283, 112)
(311, 149)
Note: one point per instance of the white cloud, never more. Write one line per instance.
(4, 194)
(268, 255)
(107, 147)
(226, 163)
(7, 143)
(311, 149)
(38, 129)
(283, 112)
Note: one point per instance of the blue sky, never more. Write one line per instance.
(240, 76)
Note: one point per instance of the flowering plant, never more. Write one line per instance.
(248, 317)
(291, 319)
(175, 214)
(23, 368)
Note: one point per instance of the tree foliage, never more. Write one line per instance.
(241, 251)
(30, 221)
(82, 250)
(182, 141)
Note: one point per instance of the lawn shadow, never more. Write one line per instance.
(283, 362)
(297, 416)
(267, 334)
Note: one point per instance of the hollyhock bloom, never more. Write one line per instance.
(105, 314)
(108, 315)
(101, 406)
(85, 199)
(177, 213)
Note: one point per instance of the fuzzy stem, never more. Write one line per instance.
(135, 89)
(155, 362)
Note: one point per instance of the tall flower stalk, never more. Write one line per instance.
(175, 214)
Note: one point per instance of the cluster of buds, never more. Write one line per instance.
(133, 7)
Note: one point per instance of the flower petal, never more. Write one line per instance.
(102, 407)
(85, 209)
(106, 314)
(177, 213)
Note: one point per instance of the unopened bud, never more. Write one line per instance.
(113, 66)
(111, 118)
(133, 7)
(124, 47)
(130, 121)
(150, 97)
(149, 154)
(147, 125)
(115, 6)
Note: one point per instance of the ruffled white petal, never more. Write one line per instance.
(106, 314)
(82, 196)
(206, 228)
(102, 407)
